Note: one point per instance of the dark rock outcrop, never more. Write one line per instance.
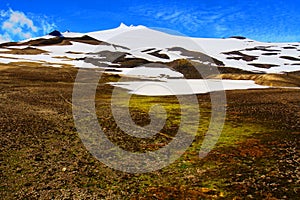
(56, 33)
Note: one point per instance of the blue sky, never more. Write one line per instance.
(263, 20)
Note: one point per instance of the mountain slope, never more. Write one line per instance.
(137, 47)
(142, 42)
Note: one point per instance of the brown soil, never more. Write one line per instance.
(270, 54)
(290, 58)
(129, 62)
(26, 51)
(243, 56)
(279, 80)
(159, 55)
(265, 66)
(289, 47)
(56, 41)
(194, 55)
(73, 52)
(263, 48)
(151, 49)
(42, 156)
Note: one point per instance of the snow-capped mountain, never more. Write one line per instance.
(154, 54)
(154, 46)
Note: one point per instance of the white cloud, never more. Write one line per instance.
(3, 13)
(16, 25)
(189, 19)
(220, 29)
(172, 15)
(46, 27)
(4, 38)
(19, 18)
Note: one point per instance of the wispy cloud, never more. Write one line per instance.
(190, 19)
(275, 22)
(19, 25)
(16, 25)
(4, 37)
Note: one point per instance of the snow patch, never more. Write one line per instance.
(184, 87)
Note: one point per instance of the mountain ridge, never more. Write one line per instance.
(126, 47)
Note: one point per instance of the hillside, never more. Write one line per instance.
(124, 50)
(82, 112)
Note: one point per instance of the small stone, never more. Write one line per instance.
(64, 169)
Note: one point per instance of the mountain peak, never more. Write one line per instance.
(56, 33)
(122, 25)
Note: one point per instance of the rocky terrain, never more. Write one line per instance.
(43, 156)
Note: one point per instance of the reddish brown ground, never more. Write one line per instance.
(42, 156)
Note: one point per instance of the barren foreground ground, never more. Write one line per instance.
(42, 156)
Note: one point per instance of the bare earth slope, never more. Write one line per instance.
(42, 156)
